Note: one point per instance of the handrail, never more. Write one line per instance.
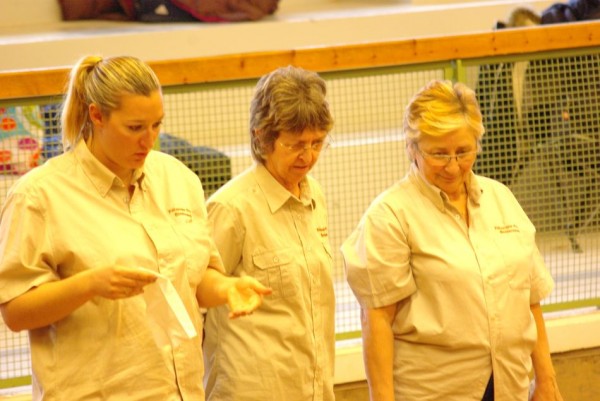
(50, 82)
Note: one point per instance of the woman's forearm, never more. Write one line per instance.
(53, 301)
(46, 304)
(378, 351)
(542, 361)
(546, 387)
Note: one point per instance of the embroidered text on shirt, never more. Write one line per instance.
(510, 228)
(181, 214)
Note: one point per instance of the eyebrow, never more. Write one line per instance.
(142, 121)
(464, 148)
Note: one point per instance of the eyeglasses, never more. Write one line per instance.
(442, 159)
(301, 147)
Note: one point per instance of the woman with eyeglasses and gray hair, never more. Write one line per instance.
(447, 272)
(270, 222)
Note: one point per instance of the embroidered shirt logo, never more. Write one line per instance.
(322, 231)
(181, 214)
(510, 228)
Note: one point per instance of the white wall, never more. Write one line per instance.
(32, 35)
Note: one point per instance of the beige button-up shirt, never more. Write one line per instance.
(285, 350)
(463, 292)
(73, 214)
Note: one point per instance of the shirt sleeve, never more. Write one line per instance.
(542, 282)
(25, 251)
(224, 228)
(215, 259)
(377, 259)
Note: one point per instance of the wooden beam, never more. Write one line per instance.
(48, 82)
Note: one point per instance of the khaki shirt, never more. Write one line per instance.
(463, 292)
(73, 214)
(285, 349)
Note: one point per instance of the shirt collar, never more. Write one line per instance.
(98, 174)
(276, 194)
(436, 195)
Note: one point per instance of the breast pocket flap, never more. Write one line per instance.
(270, 259)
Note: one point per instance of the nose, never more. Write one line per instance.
(308, 154)
(149, 137)
(453, 164)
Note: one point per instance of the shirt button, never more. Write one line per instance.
(275, 259)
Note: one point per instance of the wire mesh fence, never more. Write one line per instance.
(542, 119)
(542, 140)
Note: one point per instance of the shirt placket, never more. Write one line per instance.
(168, 253)
(306, 232)
(486, 259)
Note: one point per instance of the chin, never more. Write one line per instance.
(138, 161)
(300, 177)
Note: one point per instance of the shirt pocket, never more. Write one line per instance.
(275, 268)
(516, 253)
(518, 278)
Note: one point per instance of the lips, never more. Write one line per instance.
(302, 168)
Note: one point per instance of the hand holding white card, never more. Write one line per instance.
(169, 320)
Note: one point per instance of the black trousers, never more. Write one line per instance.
(489, 390)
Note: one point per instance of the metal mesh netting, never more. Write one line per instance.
(206, 127)
(547, 154)
(543, 140)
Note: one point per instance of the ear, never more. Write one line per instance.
(95, 114)
(410, 150)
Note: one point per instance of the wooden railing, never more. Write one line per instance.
(49, 82)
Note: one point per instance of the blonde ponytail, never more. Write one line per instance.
(102, 81)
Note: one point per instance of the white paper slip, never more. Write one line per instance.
(169, 320)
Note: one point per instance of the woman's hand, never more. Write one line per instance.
(117, 282)
(546, 390)
(245, 295)
(50, 302)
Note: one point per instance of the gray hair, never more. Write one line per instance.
(287, 99)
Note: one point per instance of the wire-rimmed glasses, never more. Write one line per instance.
(443, 159)
(300, 147)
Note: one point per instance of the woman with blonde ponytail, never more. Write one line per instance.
(85, 234)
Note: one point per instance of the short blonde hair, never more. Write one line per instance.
(102, 81)
(441, 108)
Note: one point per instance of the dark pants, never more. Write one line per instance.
(489, 390)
